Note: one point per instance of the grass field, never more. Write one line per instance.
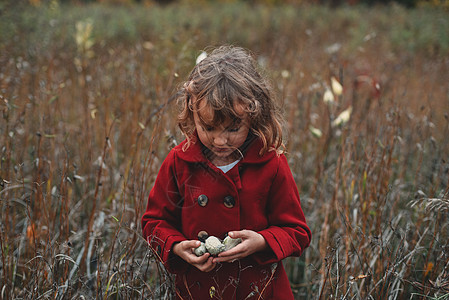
(87, 118)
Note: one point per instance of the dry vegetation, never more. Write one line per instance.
(87, 118)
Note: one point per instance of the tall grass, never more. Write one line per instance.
(88, 117)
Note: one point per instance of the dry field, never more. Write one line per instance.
(87, 117)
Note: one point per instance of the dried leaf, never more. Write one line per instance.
(315, 132)
(212, 291)
(328, 97)
(343, 117)
(429, 268)
(200, 57)
(337, 88)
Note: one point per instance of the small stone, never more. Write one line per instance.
(201, 250)
(214, 245)
(230, 242)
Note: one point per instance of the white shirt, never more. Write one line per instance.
(226, 168)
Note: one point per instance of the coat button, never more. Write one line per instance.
(229, 201)
(202, 200)
(202, 236)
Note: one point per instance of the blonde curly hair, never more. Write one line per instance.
(228, 76)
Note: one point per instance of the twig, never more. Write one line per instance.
(273, 271)
(5, 285)
(92, 214)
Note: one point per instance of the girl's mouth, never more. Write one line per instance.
(221, 150)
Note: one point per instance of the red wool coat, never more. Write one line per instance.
(258, 194)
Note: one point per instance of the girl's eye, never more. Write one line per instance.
(208, 128)
(234, 129)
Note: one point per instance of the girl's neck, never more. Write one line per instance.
(223, 161)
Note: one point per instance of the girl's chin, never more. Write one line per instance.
(222, 154)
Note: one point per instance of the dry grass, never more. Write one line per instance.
(85, 125)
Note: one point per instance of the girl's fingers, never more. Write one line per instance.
(238, 234)
(192, 259)
(191, 244)
(226, 258)
(243, 234)
(203, 263)
(202, 259)
(207, 266)
(232, 252)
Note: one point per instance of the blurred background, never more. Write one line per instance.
(87, 117)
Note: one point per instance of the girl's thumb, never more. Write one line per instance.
(236, 234)
(193, 243)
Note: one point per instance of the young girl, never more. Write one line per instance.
(228, 177)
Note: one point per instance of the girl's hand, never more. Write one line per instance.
(185, 249)
(251, 242)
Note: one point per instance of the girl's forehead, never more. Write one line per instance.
(207, 113)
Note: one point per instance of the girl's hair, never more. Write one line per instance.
(228, 76)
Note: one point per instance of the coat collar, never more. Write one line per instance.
(196, 151)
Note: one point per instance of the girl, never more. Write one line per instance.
(228, 177)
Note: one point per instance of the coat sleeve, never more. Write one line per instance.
(288, 233)
(161, 221)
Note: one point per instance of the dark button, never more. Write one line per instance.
(202, 236)
(202, 200)
(229, 201)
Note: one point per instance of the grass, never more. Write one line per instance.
(85, 126)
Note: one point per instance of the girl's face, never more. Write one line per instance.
(222, 140)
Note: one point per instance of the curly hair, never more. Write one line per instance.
(228, 76)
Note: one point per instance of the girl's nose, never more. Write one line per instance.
(220, 139)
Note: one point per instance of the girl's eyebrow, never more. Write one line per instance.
(235, 122)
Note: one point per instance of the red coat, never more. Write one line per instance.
(263, 198)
